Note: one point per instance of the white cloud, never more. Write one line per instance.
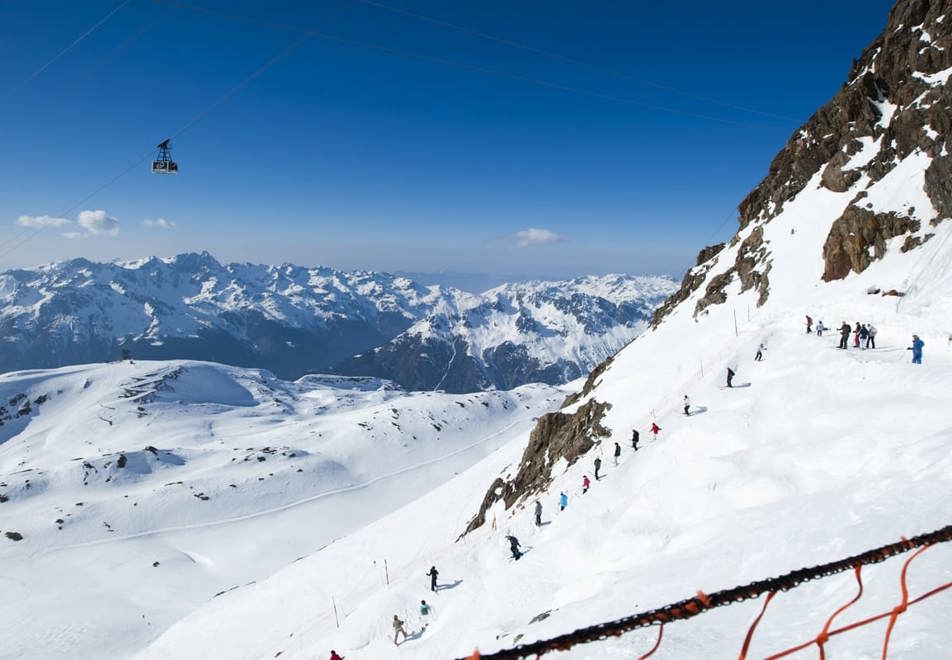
(536, 236)
(41, 221)
(75, 234)
(158, 223)
(97, 222)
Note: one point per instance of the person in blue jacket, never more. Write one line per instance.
(563, 501)
(916, 349)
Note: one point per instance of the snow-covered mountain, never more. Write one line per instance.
(816, 454)
(294, 320)
(551, 332)
(131, 494)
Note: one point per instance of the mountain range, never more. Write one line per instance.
(294, 320)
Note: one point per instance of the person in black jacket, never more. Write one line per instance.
(433, 573)
(634, 439)
(617, 453)
(598, 466)
(845, 331)
(514, 547)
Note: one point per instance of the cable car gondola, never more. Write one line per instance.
(163, 164)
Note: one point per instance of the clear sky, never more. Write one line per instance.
(402, 144)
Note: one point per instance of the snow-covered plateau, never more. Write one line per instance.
(143, 490)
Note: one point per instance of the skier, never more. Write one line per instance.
(731, 372)
(871, 336)
(617, 453)
(819, 328)
(514, 547)
(856, 331)
(425, 610)
(585, 483)
(398, 629)
(598, 466)
(864, 336)
(655, 429)
(433, 573)
(844, 334)
(809, 324)
(538, 513)
(916, 349)
(334, 655)
(634, 439)
(687, 405)
(760, 349)
(563, 501)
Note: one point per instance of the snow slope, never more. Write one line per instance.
(825, 454)
(142, 490)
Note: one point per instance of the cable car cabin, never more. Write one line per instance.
(163, 163)
(164, 167)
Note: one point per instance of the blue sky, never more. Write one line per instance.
(420, 148)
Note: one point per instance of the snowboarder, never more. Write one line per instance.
(760, 349)
(425, 610)
(916, 349)
(433, 573)
(585, 483)
(563, 501)
(655, 429)
(844, 334)
(334, 655)
(858, 329)
(687, 405)
(398, 629)
(598, 466)
(538, 513)
(809, 324)
(871, 336)
(730, 375)
(617, 453)
(634, 439)
(514, 547)
(819, 328)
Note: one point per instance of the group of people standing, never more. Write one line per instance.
(864, 336)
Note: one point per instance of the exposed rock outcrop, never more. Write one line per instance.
(556, 437)
(858, 237)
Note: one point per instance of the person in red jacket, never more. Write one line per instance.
(655, 429)
(334, 656)
(585, 483)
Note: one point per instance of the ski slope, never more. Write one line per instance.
(142, 490)
(769, 478)
(815, 455)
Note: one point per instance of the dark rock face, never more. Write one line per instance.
(556, 436)
(857, 233)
